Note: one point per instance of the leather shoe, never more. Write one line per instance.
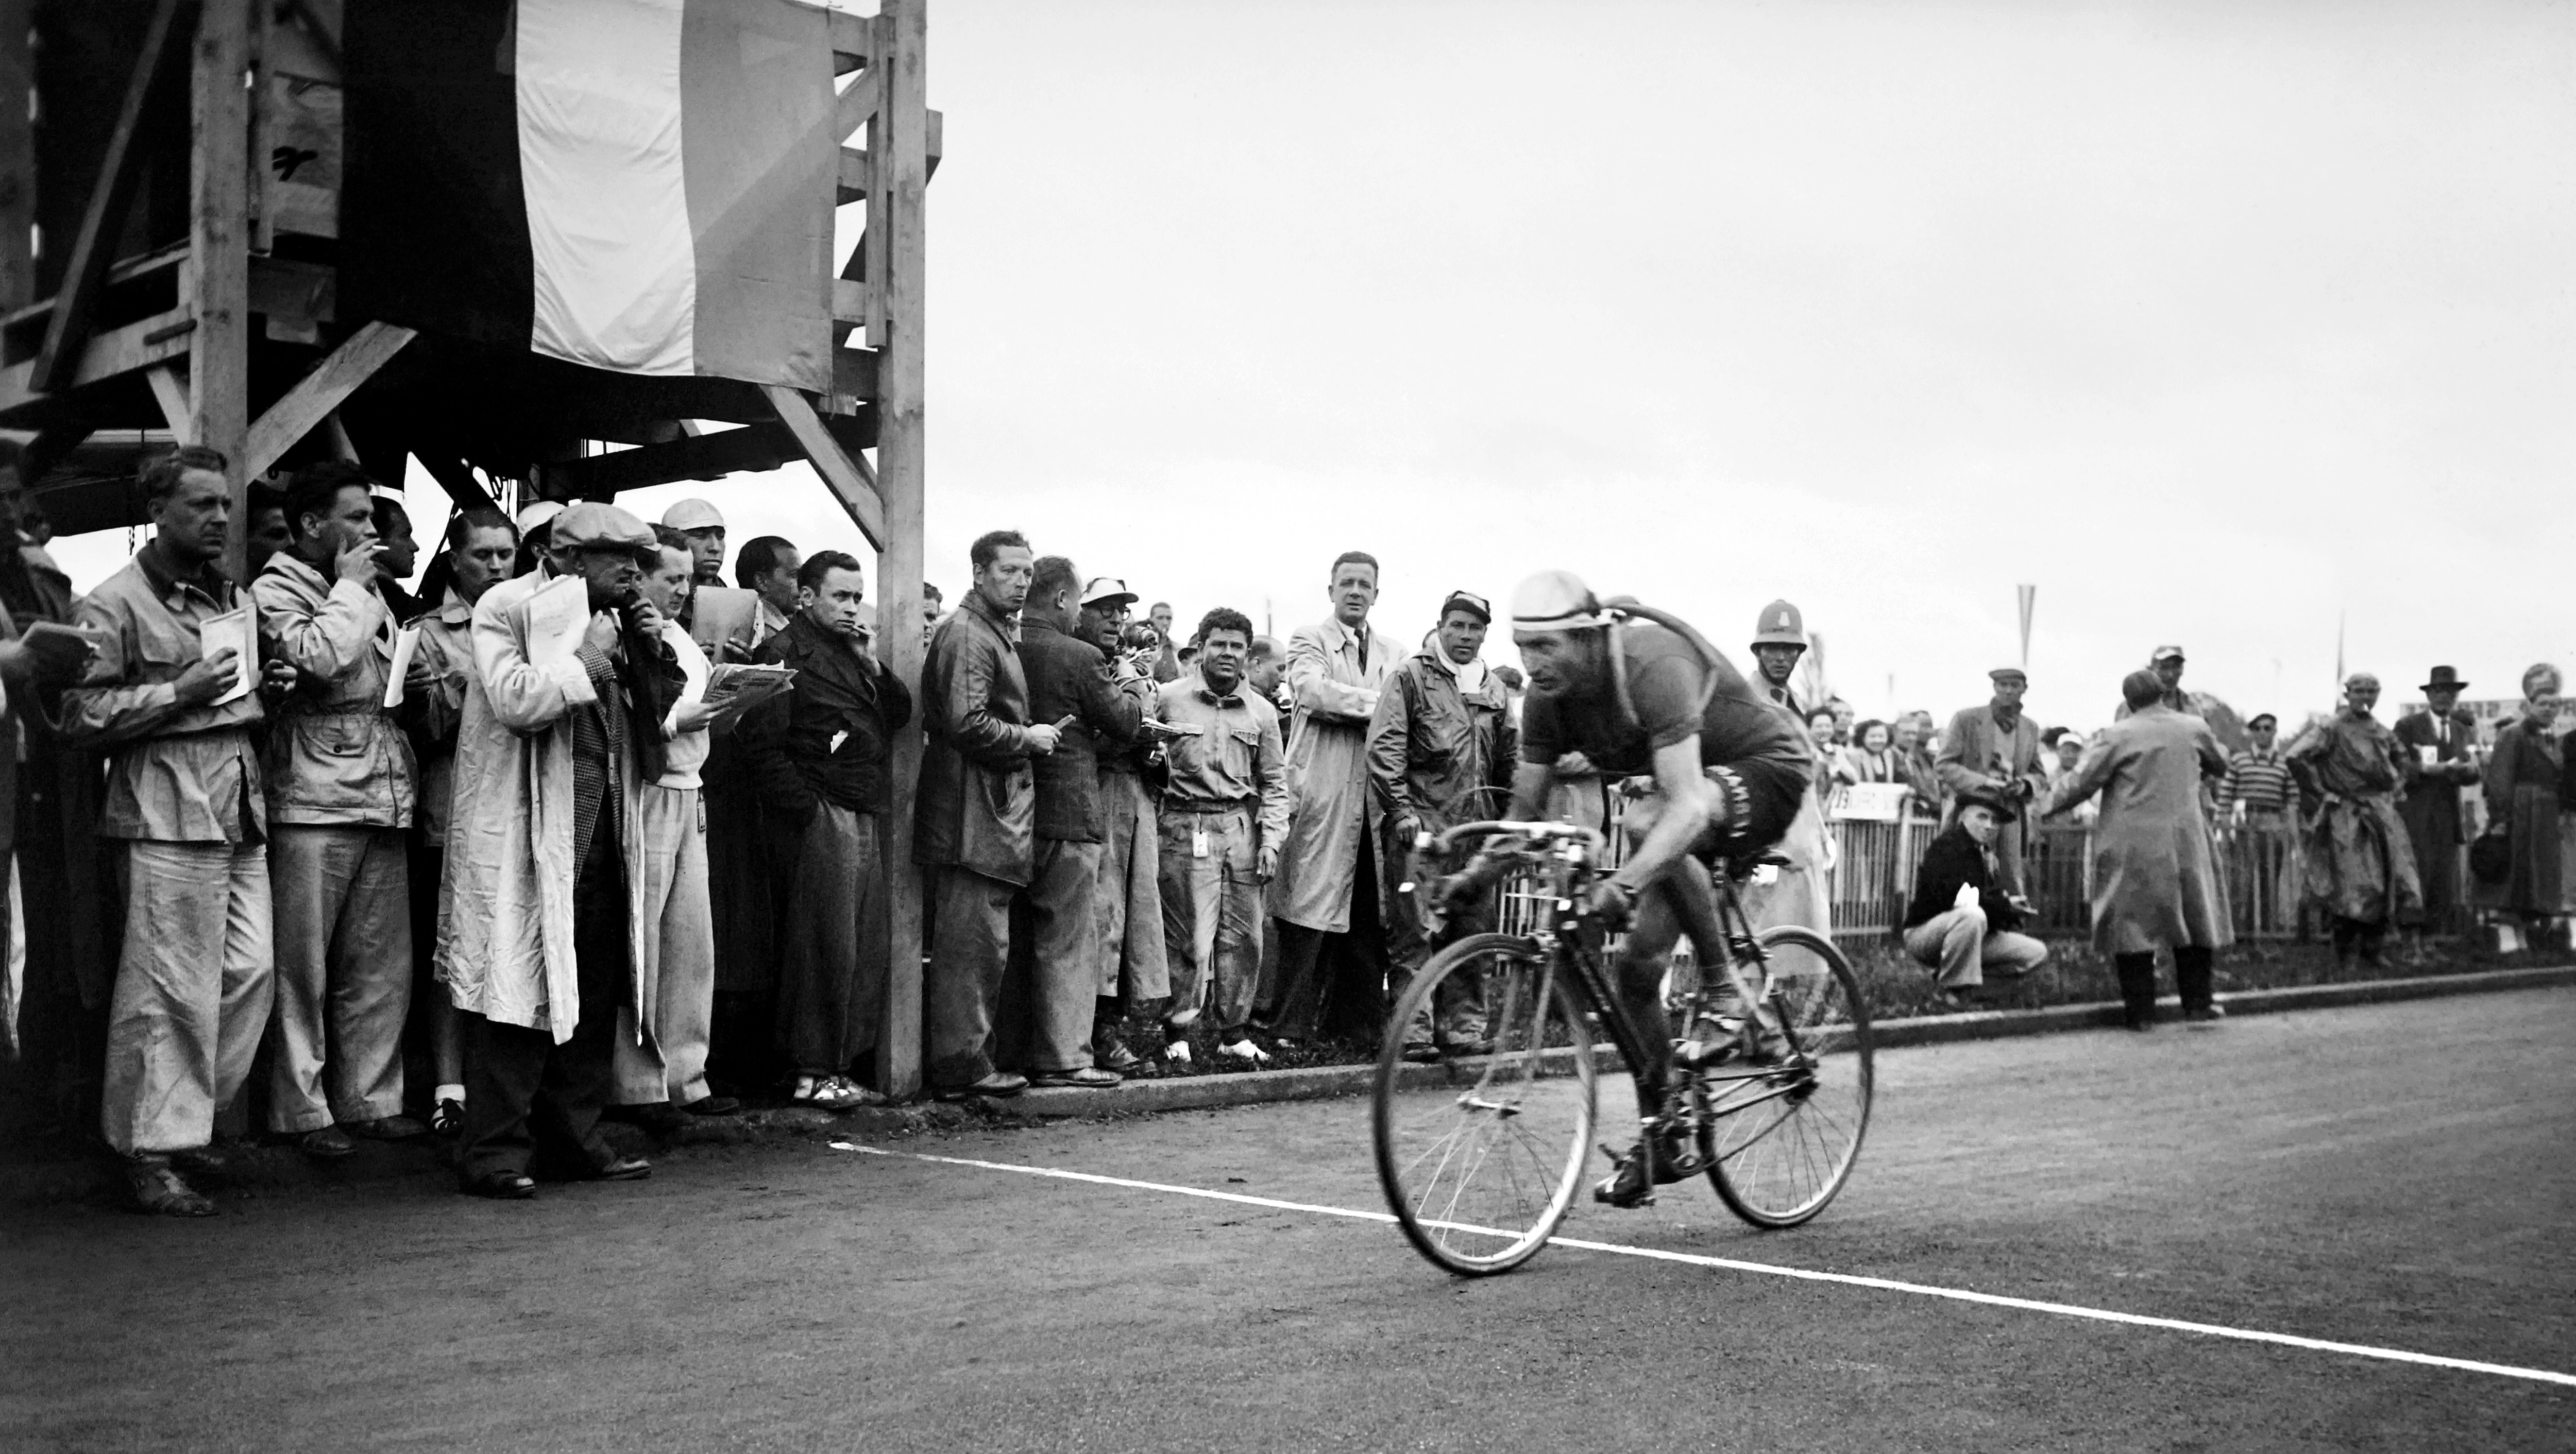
(713, 1106)
(1421, 1053)
(386, 1128)
(158, 1190)
(1087, 1078)
(624, 1168)
(1112, 1056)
(999, 1083)
(500, 1186)
(328, 1144)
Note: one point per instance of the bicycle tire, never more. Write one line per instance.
(1779, 1151)
(1468, 1211)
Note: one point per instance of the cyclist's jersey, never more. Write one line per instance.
(1665, 677)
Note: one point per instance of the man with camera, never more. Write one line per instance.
(1994, 750)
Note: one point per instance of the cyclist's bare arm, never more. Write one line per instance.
(1688, 803)
(1530, 782)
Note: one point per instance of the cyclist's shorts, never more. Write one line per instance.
(1772, 791)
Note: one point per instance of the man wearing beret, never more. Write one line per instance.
(544, 900)
(1994, 749)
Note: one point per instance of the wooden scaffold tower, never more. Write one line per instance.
(432, 230)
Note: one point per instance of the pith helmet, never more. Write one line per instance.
(1780, 625)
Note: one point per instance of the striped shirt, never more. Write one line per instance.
(2259, 780)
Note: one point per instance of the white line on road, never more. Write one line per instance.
(1882, 1284)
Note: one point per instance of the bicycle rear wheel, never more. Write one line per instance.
(1480, 1156)
(1783, 1131)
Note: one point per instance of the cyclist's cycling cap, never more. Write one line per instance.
(1555, 600)
(1469, 602)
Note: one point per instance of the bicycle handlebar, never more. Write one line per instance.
(1465, 832)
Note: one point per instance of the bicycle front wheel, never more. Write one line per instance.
(1479, 1156)
(1782, 1131)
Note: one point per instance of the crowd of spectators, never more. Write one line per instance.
(591, 827)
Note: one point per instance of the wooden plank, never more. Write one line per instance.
(119, 170)
(857, 102)
(171, 393)
(457, 478)
(896, 216)
(116, 352)
(301, 292)
(850, 301)
(123, 271)
(318, 393)
(856, 174)
(853, 39)
(218, 273)
(931, 146)
(849, 478)
(17, 153)
(854, 373)
(695, 457)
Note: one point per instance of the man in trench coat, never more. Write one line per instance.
(2155, 880)
(1994, 749)
(1327, 885)
(975, 812)
(2437, 765)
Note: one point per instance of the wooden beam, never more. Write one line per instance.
(695, 457)
(456, 477)
(17, 153)
(108, 355)
(853, 39)
(318, 393)
(119, 170)
(218, 272)
(856, 174)
(850, 302)
(895, 214)
(857, 102)
(850, 480)
(171, 393)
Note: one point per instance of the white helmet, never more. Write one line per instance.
(1556, 600)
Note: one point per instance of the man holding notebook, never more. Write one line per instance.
(169, 697)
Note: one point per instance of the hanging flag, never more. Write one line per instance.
(644, 186)
(2029, 594)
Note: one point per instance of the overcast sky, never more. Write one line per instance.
(2212, 321)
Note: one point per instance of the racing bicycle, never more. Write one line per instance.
(1481, 1155)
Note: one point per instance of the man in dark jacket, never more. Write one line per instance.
(2437, 765)
(818, 756)
(1959, 922)
(1441, 747)
(1070, 684)
(975, 813)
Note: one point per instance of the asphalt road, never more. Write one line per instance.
(2399, 1176)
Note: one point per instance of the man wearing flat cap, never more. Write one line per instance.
(1441, 748)
(2438, 765)
(544, 896)
(1994, 749)
(1959, 922)
(2360, 862)
(703, 527)
(2165, 664)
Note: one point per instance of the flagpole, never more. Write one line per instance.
(2029, 596)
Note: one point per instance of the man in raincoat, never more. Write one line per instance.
(1328, 882)
(2361, 865)
(542, 914)
(1440, 752)
(2155, 878)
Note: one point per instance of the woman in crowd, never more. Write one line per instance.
(2525, 786)
(1820, 736)
(1871, 758)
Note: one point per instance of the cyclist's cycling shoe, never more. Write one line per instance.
(1627, 1186)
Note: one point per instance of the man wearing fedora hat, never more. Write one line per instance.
(1959, 921)
(2438, 764)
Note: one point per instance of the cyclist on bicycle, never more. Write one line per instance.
(1725, 772)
